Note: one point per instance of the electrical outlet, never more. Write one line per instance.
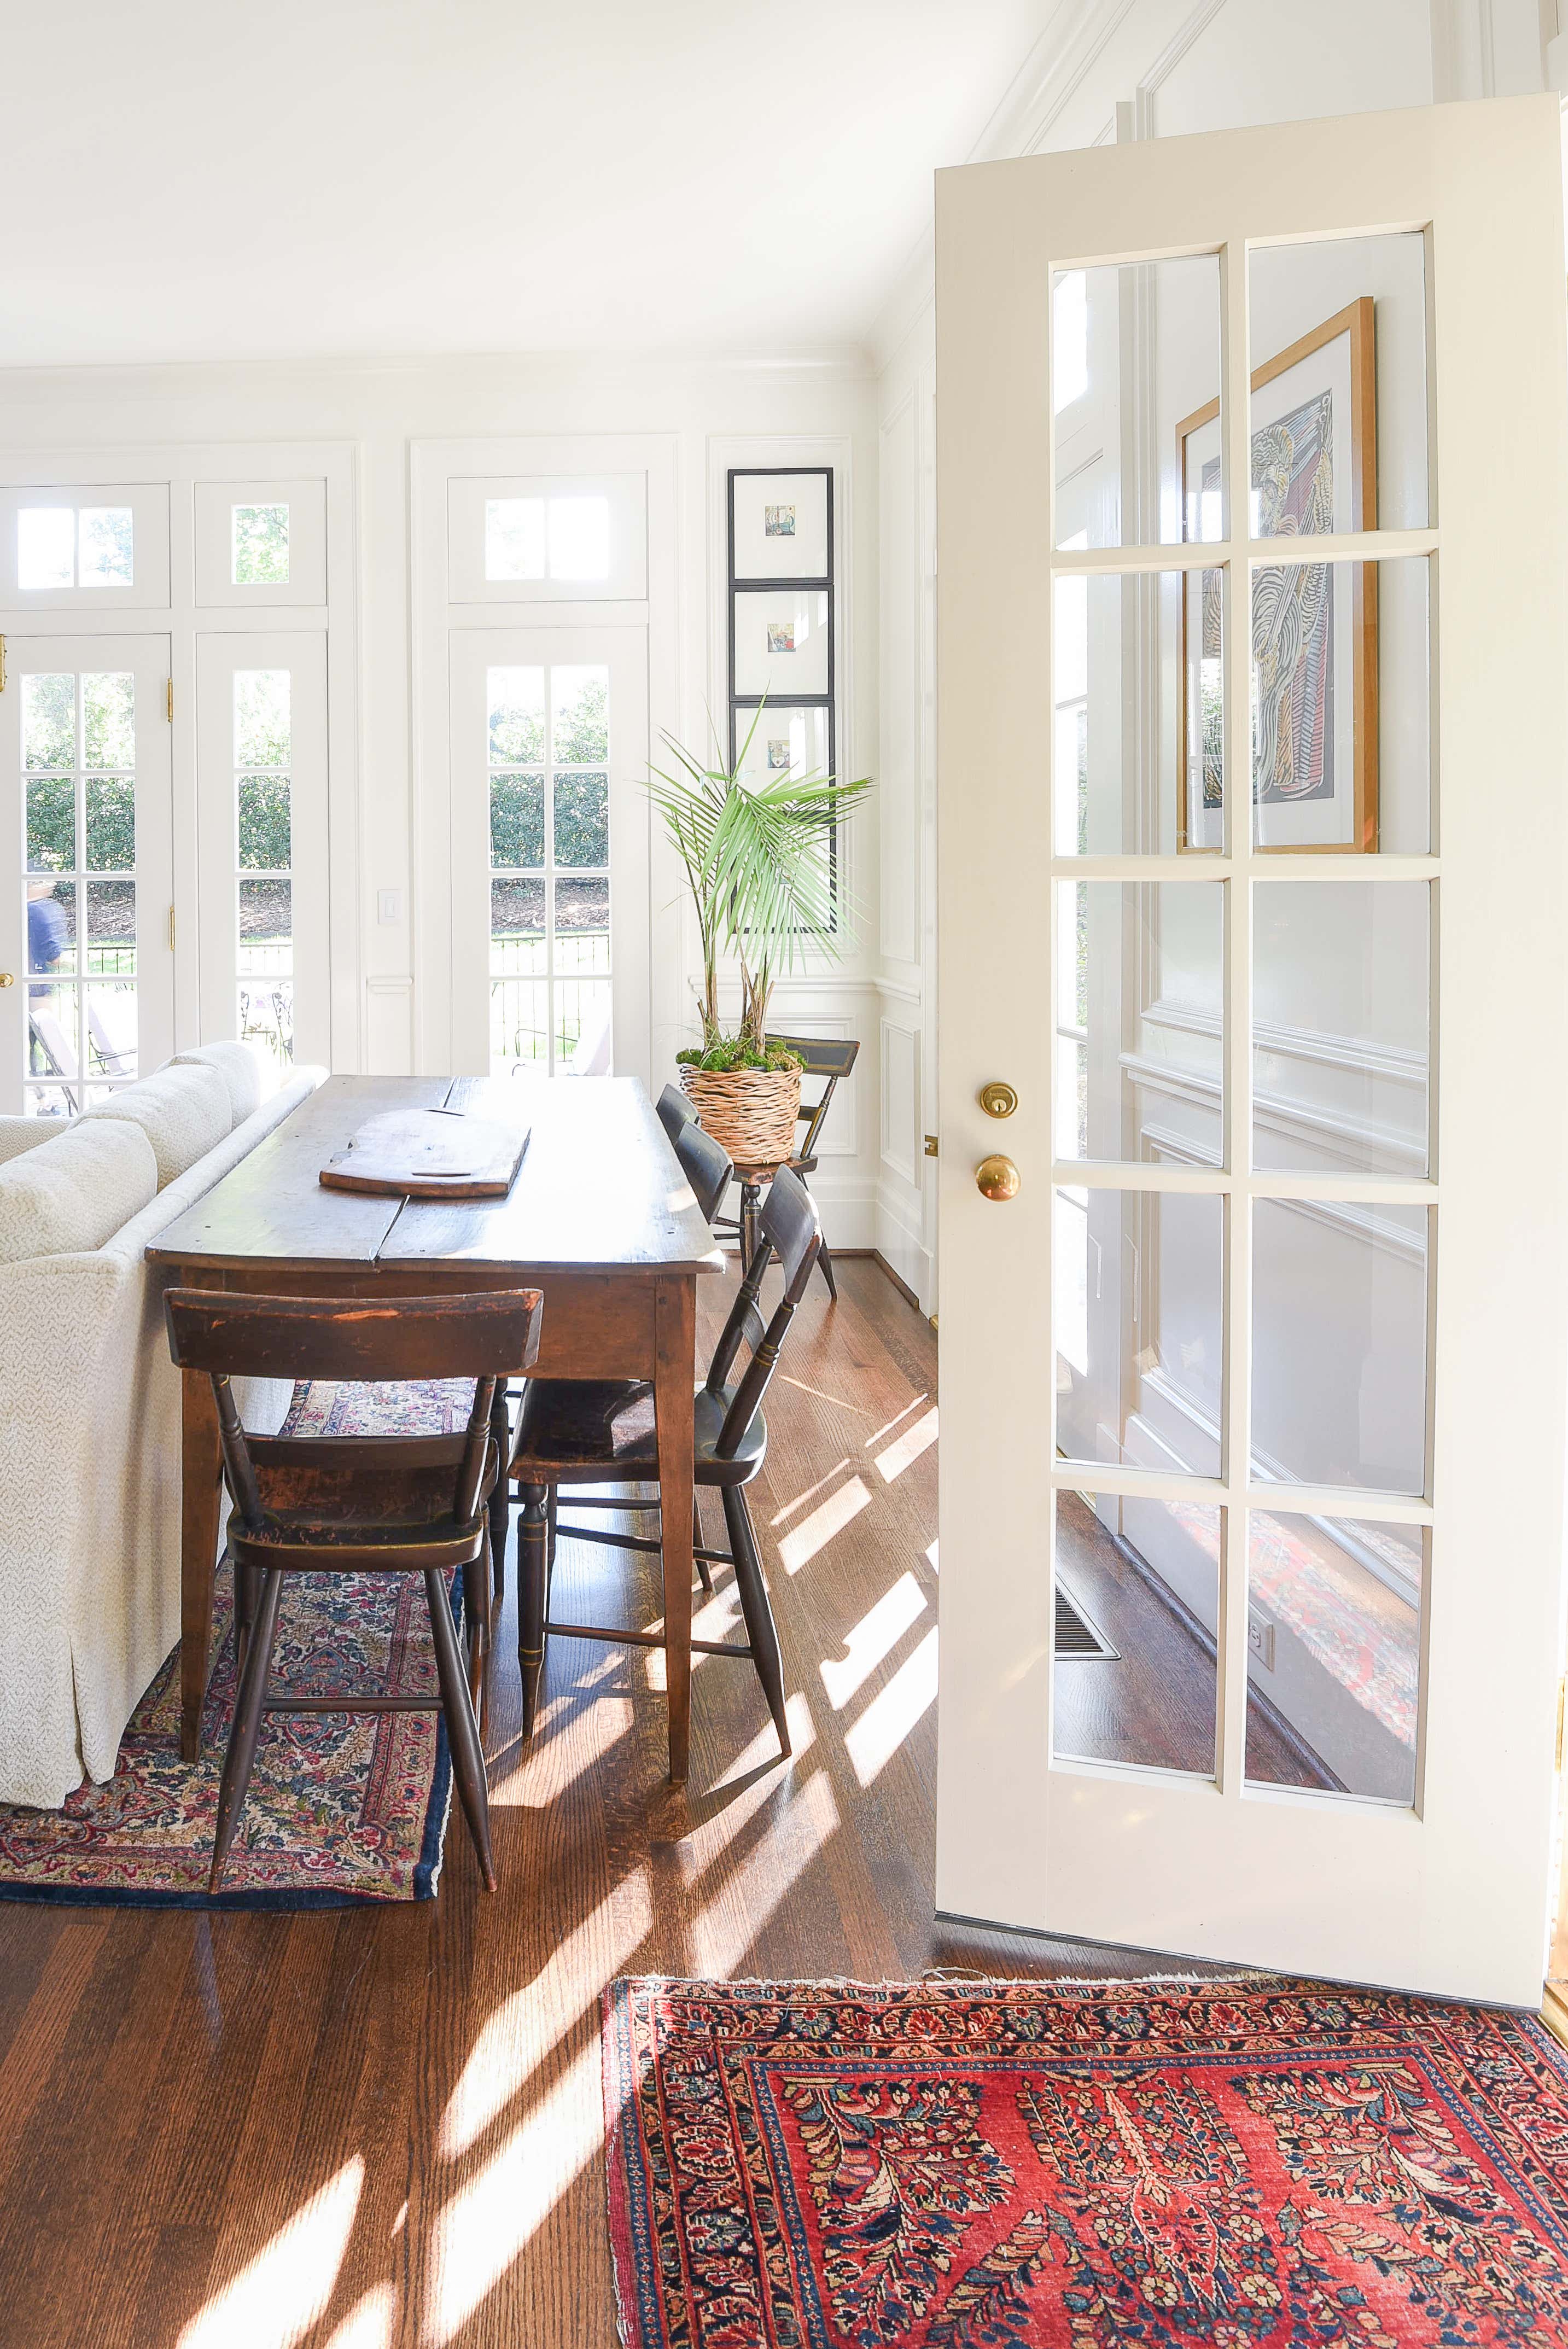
(1261, 1639)
(389, 905)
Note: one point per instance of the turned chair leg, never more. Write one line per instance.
(247, 1592)
(551, 1507)
(462, 1729)
(501, 1499)
(825, 1266)
(533, 1584)
(478, 1619)
(704, 1571)
(755, 1607)
(247, 1723)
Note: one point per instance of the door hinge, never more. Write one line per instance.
(169, 702)
(172, 929)
(1, 664)
(931, 1145)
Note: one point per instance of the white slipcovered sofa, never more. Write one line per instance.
(89, 1403)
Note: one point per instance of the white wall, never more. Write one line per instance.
(1105, 70)
(752, 413)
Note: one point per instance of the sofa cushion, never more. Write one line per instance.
(19, 1134)
(250, 1082)
(75, 1191)
(184, 1113)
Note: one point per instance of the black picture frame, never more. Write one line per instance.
(742, 705)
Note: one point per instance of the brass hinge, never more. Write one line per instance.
(172, 929)
(1, 664)
(169, 702)
(931, 1145)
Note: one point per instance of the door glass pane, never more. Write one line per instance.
(1136, 364)
(1137, 1603)
(1339, 1343)
(1334, 1642)
(517, 940)
(582, 819)
(1338, 365)
(264, 857)
(78, 928)
(580, 538)
(1138, 1334)
(516, 700)
(1139, 691)
(1341, 994)
(1342, 706)
(1140, 984)
(517, 822)
(514, 538)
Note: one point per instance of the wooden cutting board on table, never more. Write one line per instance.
(429, 1153)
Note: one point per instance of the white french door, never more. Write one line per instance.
(261, 825)
(550, 851)
(86, 898)
(1264, 1368)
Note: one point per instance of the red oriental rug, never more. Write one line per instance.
(1256, 2164)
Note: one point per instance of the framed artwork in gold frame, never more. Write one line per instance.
(1314, 748)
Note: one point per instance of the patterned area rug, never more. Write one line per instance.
(342, 1807)
(1254, 2164)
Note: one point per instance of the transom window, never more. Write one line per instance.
(550, 976)
(564, 538)
(78, 758)
(74, 546)
(260, 544)
(262, 787)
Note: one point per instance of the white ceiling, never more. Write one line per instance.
(210, 179)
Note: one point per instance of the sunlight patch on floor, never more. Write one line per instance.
(814, 1532)
(908, 1448)
(370, 2323)
(898, 1417)
(697, 1852)
(285, 2291)
(795, 1832)
(490, 2220)
(875, 1636)
(516, 2038)
(810, 1494)
(566, 1742)
(887, 1721)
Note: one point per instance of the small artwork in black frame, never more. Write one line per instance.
(779, 540)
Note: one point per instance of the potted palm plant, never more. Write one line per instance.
(759, 860)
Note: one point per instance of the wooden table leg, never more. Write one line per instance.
(202, 1472)
(674, 1376)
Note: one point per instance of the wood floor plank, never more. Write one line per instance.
(373, 2129)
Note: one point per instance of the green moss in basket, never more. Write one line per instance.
(736, 1053)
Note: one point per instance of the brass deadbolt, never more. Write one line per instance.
(997, 1178)
(7, 979)
(998, 1100)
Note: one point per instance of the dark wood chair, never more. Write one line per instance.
(357, 1504)
(673, 1111)
(707, 1165)
(602, 1432)
(828, 1060)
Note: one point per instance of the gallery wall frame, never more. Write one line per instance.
(1328, 613)
(780, 623)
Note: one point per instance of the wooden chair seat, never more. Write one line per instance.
(601, 1430)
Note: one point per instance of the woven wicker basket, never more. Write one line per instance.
(752, 1111)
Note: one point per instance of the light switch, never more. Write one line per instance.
(389, 905)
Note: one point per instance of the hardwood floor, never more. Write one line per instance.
(357, 2128)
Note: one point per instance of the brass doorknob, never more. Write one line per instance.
(997, 1178)
(7, 979)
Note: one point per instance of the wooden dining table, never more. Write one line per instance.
(599, 1217)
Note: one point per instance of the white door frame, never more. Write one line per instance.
(1450, 1895)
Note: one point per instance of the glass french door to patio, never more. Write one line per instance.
(86, 906)
(1288, 1233)
(549, 850)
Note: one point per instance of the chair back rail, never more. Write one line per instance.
(673, 1111)
(229, 1334)
(830, 1057)
(707, 1165)
(791, 1231)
